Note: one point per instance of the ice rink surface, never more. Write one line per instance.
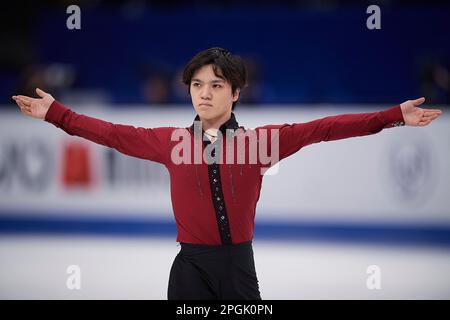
(36, 267)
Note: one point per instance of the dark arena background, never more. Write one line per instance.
(361, 218)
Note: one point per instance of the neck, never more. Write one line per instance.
(215, 123)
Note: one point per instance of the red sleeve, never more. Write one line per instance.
(144, 143)
(292, 137)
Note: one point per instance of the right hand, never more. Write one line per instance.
(35, 108)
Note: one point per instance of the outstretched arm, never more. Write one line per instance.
(292, 137)
(144, 143)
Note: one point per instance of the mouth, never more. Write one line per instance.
(208, 105)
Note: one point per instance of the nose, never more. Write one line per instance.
(206, 93)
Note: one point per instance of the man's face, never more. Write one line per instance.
(211, 95)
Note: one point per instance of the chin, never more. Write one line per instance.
(205, 114)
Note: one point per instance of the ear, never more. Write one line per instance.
(236, 95)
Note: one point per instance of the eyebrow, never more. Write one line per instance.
(213, 81)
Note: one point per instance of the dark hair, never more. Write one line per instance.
(231, 67)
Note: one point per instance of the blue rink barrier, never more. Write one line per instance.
(386, 234)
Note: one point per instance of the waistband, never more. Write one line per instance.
(191, 249)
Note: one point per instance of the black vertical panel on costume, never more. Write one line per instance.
(217, 199)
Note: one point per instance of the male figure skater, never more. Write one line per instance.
(214, 201)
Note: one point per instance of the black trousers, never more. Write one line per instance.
(207, 272)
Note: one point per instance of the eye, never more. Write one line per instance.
(217, 86)
(196, 84)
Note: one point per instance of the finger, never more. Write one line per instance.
(435, 110)
(21, 105)
(434, 117)
(26, 100)
(429, 119)
(432, 110)
(24, 108)
(431, 113)
(41, 93)
(424, 123)
(419, 101)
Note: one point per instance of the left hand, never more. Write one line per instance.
(415, 116)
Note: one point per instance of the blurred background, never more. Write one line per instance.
(331, 211)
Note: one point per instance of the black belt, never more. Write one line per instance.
(205, 249)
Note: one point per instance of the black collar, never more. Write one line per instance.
(230, 124)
